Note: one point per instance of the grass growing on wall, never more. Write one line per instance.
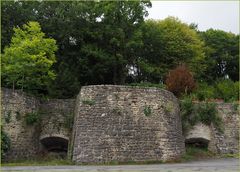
(147, 111)
(88, 102)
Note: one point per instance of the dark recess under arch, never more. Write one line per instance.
(55, 144)
(197, 142)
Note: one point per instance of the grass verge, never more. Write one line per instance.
(37, 162)
(192, 154)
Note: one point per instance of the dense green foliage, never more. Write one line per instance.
(227, 90)
(222, 55)
(109, 42)
(27, 62)
(224, 89)
(205, 113)
(5, 143)
(166, 44)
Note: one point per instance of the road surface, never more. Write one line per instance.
(218, 165)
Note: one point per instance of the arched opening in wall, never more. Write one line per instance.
(200, 143)
(55, 146)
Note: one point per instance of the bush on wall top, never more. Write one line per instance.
(180, 81)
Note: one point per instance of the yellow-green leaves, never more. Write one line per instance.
(27, 62)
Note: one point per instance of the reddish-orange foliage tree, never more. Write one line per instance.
(180, 80)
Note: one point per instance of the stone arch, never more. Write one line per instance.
(199, 136)
(55, 143)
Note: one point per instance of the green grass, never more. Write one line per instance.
(37, 162)
(194, 153)
(230, 155)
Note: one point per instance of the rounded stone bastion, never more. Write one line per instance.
(124, 123)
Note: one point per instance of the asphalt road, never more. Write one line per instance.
(218, 165)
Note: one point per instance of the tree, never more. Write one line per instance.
(96, 39)
(168, 43)
(116, 39)
(13, 14)
(27, 62)
(222, 55)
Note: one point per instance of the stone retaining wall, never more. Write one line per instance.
(25, 139)
(226, 142)
(112, 123)
(119, 123)
(56, 117)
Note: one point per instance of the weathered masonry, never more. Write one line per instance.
(112, 123)
(216, 141)
(119, 123)
(50, 134)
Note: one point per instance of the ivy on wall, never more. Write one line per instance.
(5, 143)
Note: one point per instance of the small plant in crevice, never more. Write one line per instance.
(32, 118)
(18, 116)
(147, 110)
(88, 102)
(7, 116)
(117, 111)
(169, 107)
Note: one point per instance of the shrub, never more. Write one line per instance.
(205, 113)
(188, 118)
(204, 92)
(227, 90)
(180, 81)
(5, 143)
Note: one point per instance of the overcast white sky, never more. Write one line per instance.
(222, 15)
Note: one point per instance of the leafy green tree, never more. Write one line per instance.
(167, 44)
(96, 39)
(13, 14)
(27, 62)
(222, 55)
(116, 38)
